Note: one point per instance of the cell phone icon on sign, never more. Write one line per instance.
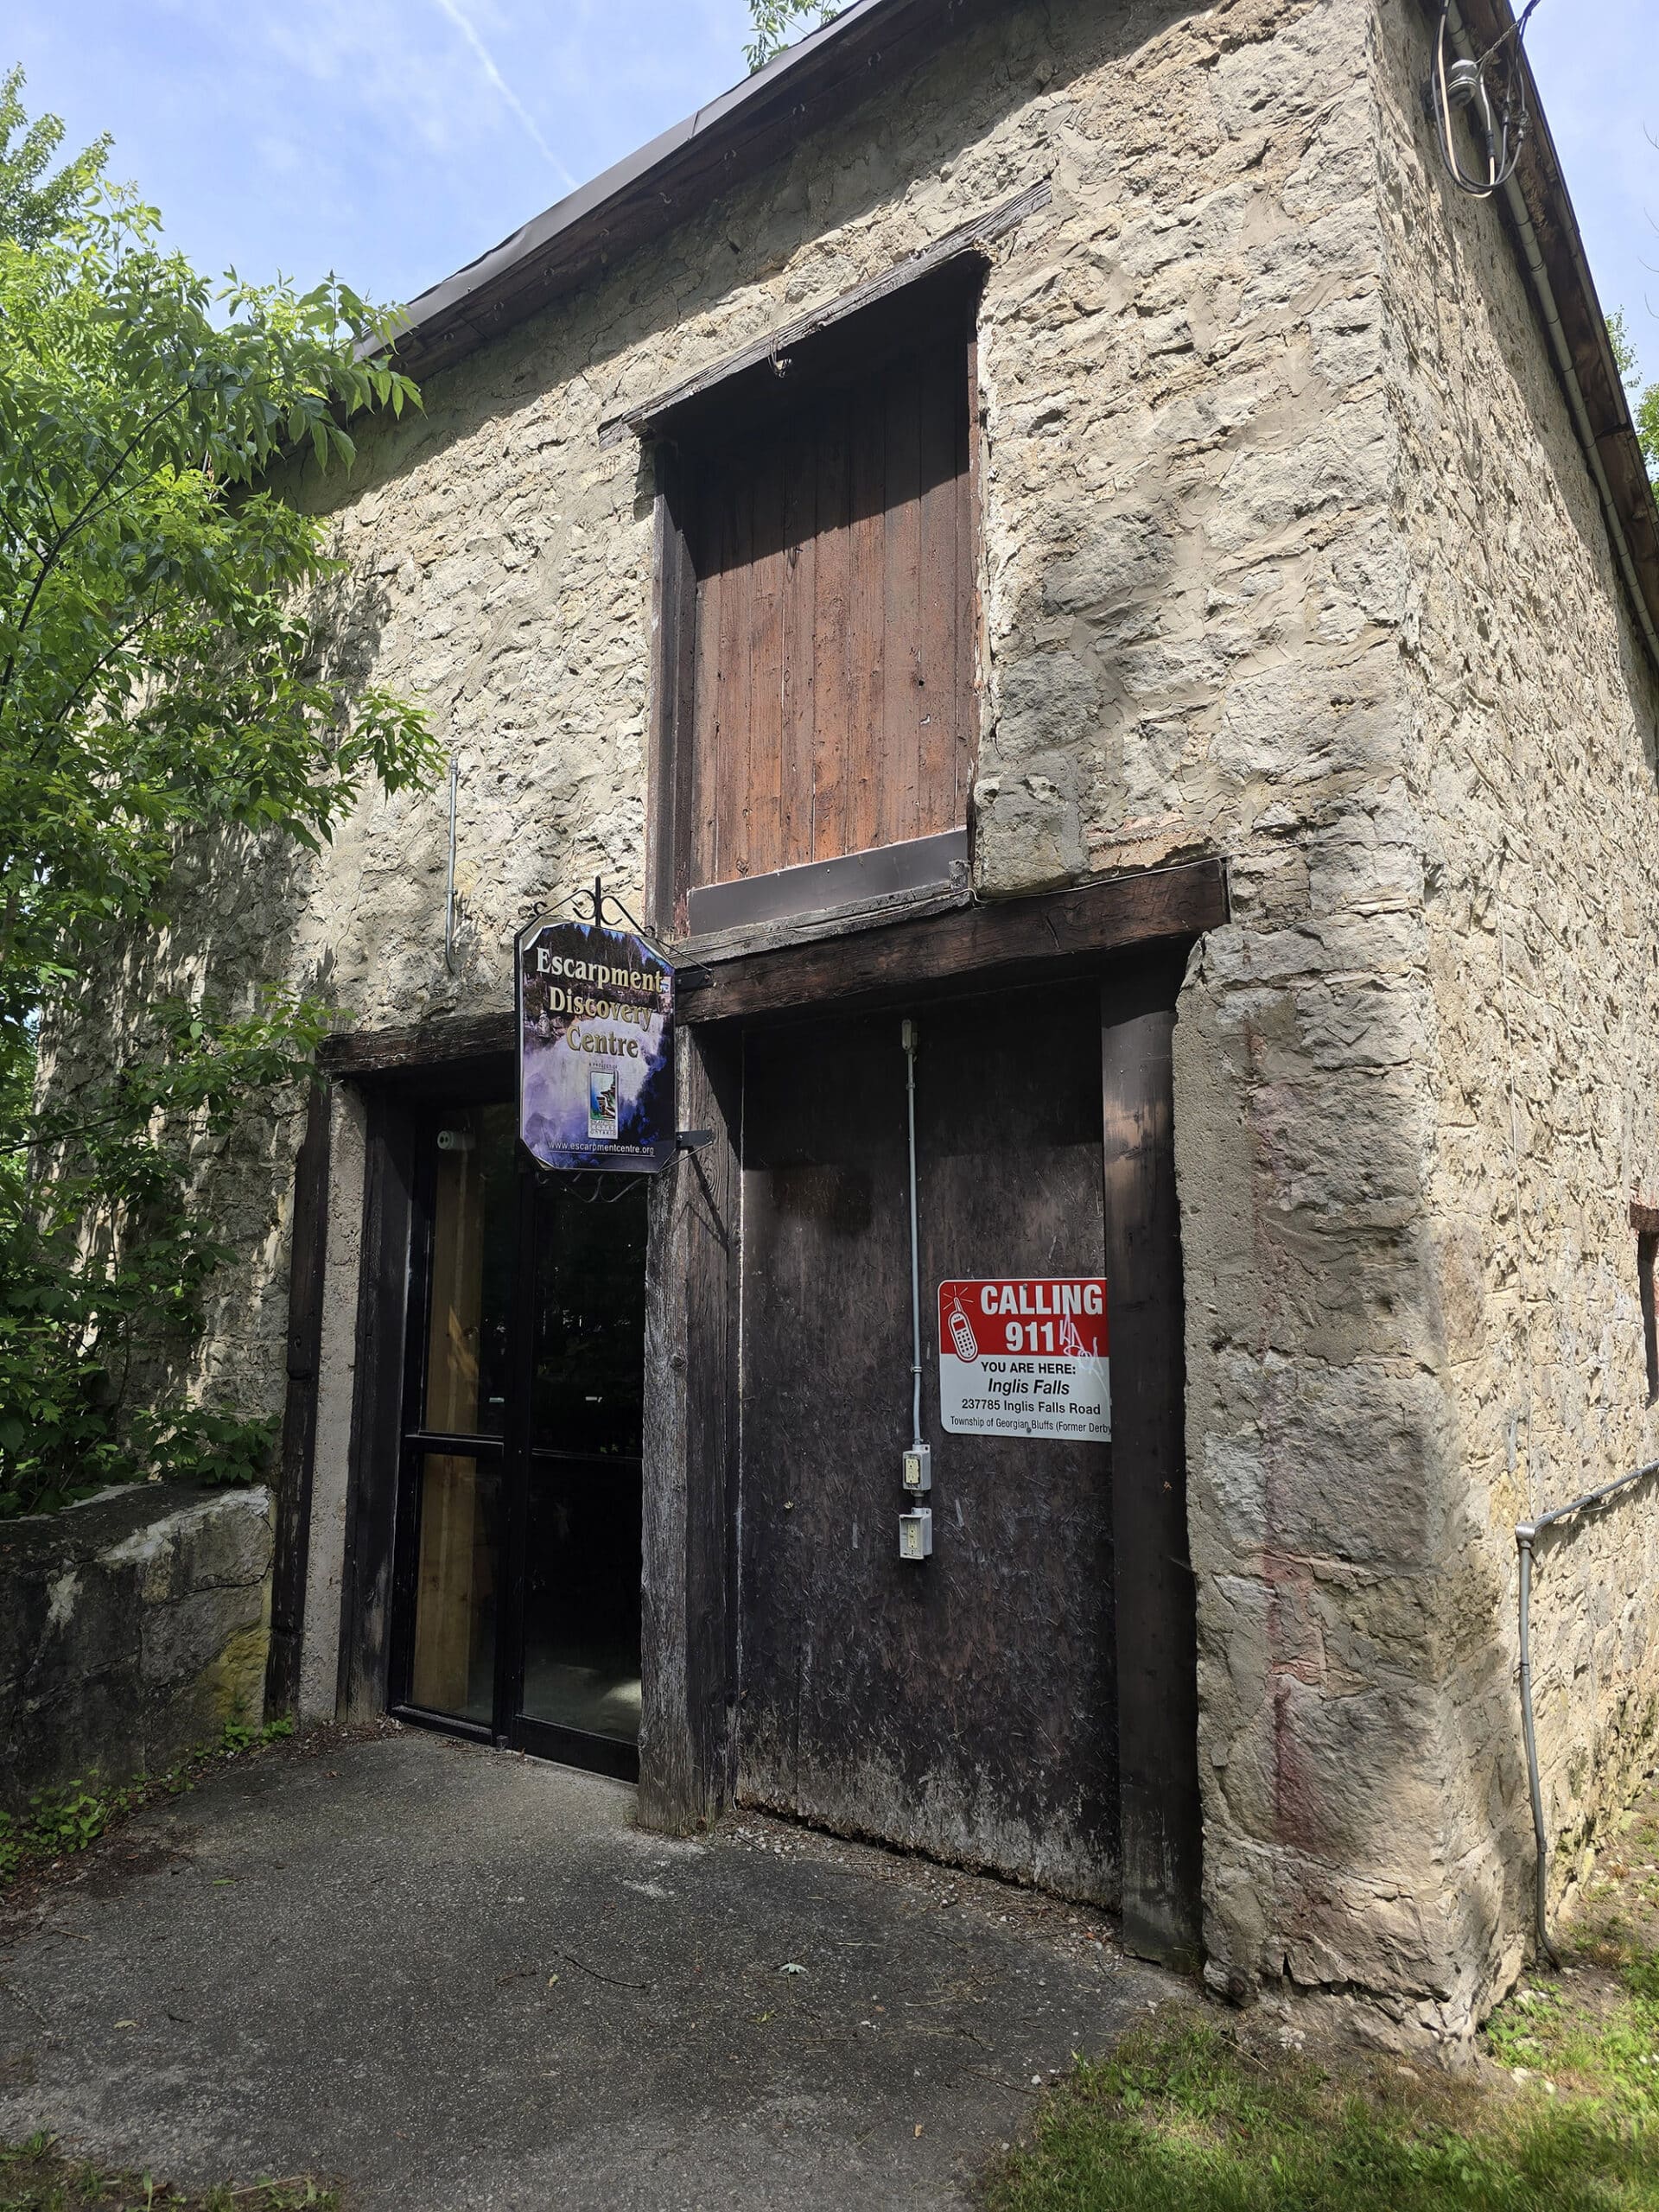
(962, 1330)
(601, 1103)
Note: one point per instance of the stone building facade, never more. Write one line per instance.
(1291, 557)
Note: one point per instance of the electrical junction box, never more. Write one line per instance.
(916, 1533)
(918, 1475)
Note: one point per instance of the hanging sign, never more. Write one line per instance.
(1024, 1357)
(595, 1048)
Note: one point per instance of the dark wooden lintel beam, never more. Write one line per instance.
(997, 942)
(419, 1045)
(993, 943)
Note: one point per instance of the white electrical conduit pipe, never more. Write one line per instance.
(907, 1034)
(1526, 1535)
(449, 888)
(1533, 253)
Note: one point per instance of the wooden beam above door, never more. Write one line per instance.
(994, 942)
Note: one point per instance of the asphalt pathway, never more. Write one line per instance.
(455, 1980)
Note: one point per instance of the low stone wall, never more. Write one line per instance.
(131, 1629)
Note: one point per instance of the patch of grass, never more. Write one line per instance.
(59, 1823)
(1595, 2035)
(1187, 2117)
(36, 2176)
(1198, 2116)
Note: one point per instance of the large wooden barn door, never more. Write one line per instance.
(965, 1707)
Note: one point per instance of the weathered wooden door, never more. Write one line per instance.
(966, 1706)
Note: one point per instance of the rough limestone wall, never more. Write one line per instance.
(1323, 1478)
(131, 1628)
(1194, 591)
(1160, 340)
(1532, 770)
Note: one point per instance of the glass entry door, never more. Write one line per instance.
(576, 1534)
(517, 1614)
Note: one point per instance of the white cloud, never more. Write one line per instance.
(485, 61)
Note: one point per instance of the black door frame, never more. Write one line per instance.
(1133, 931)
(512, 1453)
(405, 1079)
(546, 1739)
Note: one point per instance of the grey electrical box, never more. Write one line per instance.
(918, 1475)
(916, 1533)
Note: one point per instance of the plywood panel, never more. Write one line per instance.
(835, 552)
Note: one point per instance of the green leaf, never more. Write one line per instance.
(157, 687)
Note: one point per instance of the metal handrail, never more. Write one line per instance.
(1526, 1534)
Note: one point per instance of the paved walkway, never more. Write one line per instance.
(455, 1980)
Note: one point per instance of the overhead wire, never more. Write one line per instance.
(1505, 118)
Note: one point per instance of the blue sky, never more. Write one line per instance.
(394, 140)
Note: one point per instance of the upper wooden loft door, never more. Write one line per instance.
(827, 699)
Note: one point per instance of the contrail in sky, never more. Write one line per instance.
(487, 63)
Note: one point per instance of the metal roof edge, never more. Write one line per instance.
(675, 175)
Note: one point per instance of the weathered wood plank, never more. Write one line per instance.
(291, 1551)
(971, 654)
(731, 747)
(898, 813)
(866, 633)
(764, 844)
(1157, 1636)
(799, 643)
(943, 466)
(418, 1045)
(698, 846)
(688, 1621)
(997, 942)
(673, 753)
(371, 1483)
(831, 726)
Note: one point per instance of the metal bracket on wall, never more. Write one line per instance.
(1526, 1537)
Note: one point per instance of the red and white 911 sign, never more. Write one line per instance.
(1024, 1357)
